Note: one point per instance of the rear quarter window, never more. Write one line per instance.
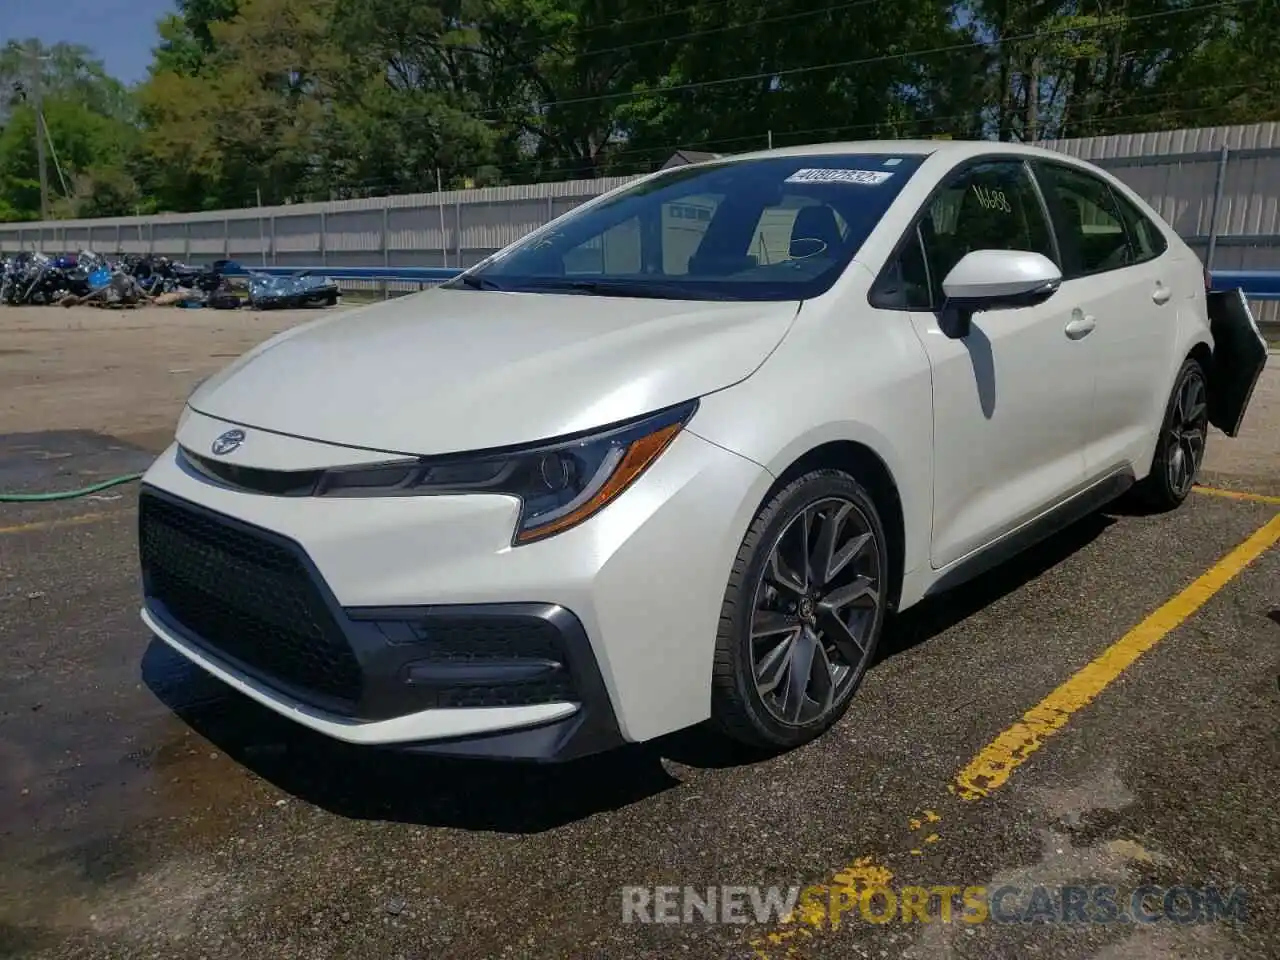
(1146, 238)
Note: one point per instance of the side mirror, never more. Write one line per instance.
(1001, 278)
(990, 279)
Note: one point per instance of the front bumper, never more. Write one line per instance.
(411, 621)
(248, 606)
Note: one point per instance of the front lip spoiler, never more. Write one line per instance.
(390, 732)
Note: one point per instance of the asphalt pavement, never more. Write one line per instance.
(1097, 719)
(149, 812)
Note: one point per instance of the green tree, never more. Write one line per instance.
(93, 137)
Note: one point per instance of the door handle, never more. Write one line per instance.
(1080, 325)
(1161, 294)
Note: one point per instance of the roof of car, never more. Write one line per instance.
(957, 149)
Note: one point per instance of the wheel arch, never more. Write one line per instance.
(868, 467)
(1198, 347)
(1202, 353)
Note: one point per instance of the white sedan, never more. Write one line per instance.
(676, 456)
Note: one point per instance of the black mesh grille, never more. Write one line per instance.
(492, 638)
(246, 597)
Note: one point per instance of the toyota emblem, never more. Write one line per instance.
(227, 442)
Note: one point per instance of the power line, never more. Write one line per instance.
(710, 31)
(1087, 125)
(615, 169)
(649, 18)
(867, 61)
(951, 48)
(755, 140)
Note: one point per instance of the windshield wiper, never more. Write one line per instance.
(474, 282)
(625, 288)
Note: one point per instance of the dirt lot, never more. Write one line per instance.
(120, 372)
(1102, 713)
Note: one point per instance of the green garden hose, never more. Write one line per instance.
(68, 494)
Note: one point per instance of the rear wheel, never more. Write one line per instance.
(1181, 445)
(802, 613)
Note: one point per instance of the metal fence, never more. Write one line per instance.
(1219, 187)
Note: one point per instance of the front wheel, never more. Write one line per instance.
(802, 612)
(1181, 444)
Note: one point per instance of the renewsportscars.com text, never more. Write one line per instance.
(1006, 904)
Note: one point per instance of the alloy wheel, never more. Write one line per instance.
(1186, 436)
(816, 607)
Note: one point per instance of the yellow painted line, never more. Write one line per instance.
(996, 762)
(75, 521)
(1237, 495)
(821, 905)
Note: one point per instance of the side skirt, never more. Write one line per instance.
(1032, 532)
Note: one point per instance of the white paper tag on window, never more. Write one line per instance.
(836, 175)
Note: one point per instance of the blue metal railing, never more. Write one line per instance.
(398, 274)
(1257, 284)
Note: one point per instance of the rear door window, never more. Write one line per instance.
(1088, 219)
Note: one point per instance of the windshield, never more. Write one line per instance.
(779, 228)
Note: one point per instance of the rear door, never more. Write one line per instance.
(1121, 285)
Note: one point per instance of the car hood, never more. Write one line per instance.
(454, 370)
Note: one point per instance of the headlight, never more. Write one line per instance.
(559, 484)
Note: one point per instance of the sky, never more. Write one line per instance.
(121, 33)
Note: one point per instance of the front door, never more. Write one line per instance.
(1012, 397)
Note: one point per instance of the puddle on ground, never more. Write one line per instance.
(100, 799)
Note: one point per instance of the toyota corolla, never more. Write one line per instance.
(676, 456)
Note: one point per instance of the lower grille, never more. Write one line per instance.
(461, 641)
(248, 597)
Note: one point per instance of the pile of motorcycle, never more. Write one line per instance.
(132, 280)
(39, 279)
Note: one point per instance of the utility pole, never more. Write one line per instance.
(37, 98)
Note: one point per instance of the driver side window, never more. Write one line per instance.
(989, 206)
(992, 205)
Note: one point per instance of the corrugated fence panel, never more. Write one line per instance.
(247, 239)
(351, 231)
(207, 240)
(298, 234)
(1168, 142)
(169, 238)
(419, 228)
(1249, 197)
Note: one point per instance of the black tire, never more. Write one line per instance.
(738, 707)
(1181, 444)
